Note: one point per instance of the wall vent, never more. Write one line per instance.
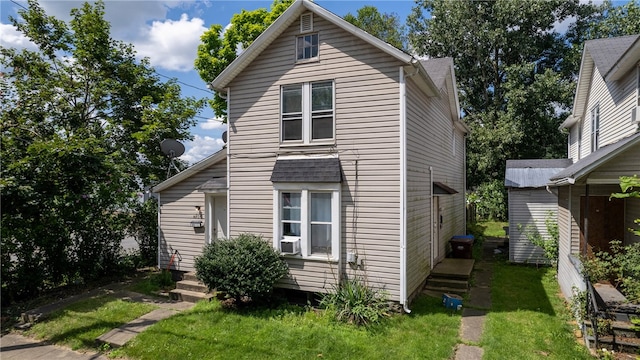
(306, 22)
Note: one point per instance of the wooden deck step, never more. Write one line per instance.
(451, 268)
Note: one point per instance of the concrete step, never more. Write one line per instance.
(621, 329)
(190, 276)
(618, 343)
(189, 296)
(444, 290)
(191, 285)
(448, 283)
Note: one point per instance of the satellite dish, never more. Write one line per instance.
(172, 148)
(224, 137)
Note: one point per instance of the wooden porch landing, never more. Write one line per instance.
(453, 269)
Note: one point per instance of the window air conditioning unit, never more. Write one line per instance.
(635, 115)
(290, 246)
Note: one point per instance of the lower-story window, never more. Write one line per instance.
(306, 220)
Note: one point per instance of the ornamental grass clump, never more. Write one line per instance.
(352, 301)
(244, 268)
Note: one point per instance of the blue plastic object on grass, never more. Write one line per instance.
(452, 301)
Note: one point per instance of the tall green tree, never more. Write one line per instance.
(383, 26)
(515, 89)
(81, 123)
(220, 46)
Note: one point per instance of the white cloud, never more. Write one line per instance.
(10, 37)
(201, 147)
(170, 44)
(213, 124)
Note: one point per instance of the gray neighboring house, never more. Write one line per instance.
(530, 202)
(343, 152)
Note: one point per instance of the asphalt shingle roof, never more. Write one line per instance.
(607, 51)
(325, 170)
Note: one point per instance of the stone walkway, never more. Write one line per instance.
(479, 303)
(17, 347)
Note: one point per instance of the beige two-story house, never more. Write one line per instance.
(343, 152)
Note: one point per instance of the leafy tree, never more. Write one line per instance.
(383, 26)
(81, 124)
(221, 46)
(515, 88)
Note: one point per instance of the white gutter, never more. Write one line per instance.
(403, 192)
(431, 220)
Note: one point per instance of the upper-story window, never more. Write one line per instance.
(307, 47)
(307, 112)
(595, 127)
(307, 44)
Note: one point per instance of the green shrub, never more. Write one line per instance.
(491, 200)
(245, 267)
(352, 301)
(620, 266)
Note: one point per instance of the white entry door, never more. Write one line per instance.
(216, 217)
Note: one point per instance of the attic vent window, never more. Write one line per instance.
(306, 22)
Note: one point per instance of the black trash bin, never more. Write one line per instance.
(461, 246)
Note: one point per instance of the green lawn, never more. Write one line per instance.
(78, 325)
(528, 319)
(208, 331)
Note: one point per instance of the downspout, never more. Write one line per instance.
(586, 222)
(464, 180)
(403, 194)
(159, 231)
(431, 220)
(227, 235)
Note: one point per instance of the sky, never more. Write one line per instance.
(168, 33)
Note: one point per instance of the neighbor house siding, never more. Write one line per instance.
(430, 144)
(367, 143)
(528, 211)
(177, 210)
(615, 100)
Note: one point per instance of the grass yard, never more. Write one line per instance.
(78, 325)
(528, 319)
(208, 331)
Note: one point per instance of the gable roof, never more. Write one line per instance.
(597, 158)
(191, 170)
(442, 72)
(291, 15)
(613, 57)
(534, 173)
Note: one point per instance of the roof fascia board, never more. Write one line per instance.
(285, 20)
(194, 169)
(584, 84)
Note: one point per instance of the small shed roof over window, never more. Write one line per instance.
(534, 173)
(324, 170)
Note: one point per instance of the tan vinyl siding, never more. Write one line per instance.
(367, 137)
(430, 132)
(565, 225)
(528, 211)
(177, 210)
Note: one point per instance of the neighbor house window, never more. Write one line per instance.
(311, 214)
(595, 127)
(307, 113)
(307, 47)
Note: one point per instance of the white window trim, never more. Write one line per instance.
(305, 189)
(306, 116)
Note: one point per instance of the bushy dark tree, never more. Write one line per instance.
(383, 26)
(81, 123)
